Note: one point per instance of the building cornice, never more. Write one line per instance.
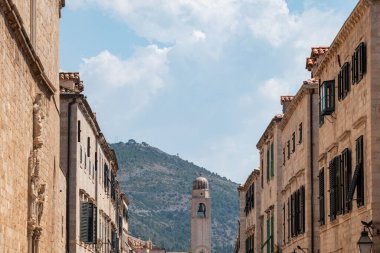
(15, 24)
(354, 18)
(308, 87)
(269, 130)
(255, 174)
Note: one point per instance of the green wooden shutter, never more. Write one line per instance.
(95, 223)
(272, 159)
(84, 216)
(268, 163)
(302, 203)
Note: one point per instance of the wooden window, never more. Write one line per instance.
(327, 97)
(272, 234)
(283, 157)
(322, 197)
(344, 81)
(88, 222)
(300, 133)
(359, 63)
(289, 219)
(262, 173)
(283, 223)
(347, 173)
(333, 186)
(360, 176)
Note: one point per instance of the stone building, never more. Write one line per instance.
(97, 212)
(32, 184)
(349, 143)
(200, 217)
(249, 197)
(268, 227)
(299, 135)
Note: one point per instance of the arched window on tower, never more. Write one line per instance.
(201, 211)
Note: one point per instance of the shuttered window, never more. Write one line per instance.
(88, 222)
(300, 133)
(88, 146)
(283, 157)
(322, 196)
(268, 236)
(283, 223)
(347, 174)
(289, 219)
(359, 63)
(344, 81)
(302, 209)
(288, 146)
(332, 175)
(272, 234)
(360, 166)
(293, 142)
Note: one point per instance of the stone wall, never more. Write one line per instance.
(18, 94)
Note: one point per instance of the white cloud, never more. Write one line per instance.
(137, 80)
(199, 35)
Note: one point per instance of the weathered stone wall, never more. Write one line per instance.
(17, 95)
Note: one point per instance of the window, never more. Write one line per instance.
(81, 155)
(293, 142)
(360, 166)
(88, 146)
(270, 234)
(88, 219)
(322, 197)
(327, 97)
(283, 156)
(201, 212)
(296, 213)
(249, 244)
(288, 146)
(262, 173)
(333, 168)
(340, 177)
(283, 223)
(359, 63)
(249, 199)
(79, 130)
(300, 134)
(271, 160)
(344, 81)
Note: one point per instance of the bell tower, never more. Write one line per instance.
(200, 217)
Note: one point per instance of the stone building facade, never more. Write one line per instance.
(349, 143)
(32, 184)
(299, 135)
(330, 147)
(249, 197)
(97, 210)
(268, 225)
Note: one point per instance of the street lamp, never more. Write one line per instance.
(365, 243)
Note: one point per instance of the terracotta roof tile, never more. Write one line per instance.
(316, 52)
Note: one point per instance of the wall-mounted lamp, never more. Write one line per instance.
(365, 242)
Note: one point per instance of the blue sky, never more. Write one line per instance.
(201, 78)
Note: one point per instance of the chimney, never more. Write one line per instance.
(285, 102)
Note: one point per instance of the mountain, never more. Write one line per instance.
(158, 186)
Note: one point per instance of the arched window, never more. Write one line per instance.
(201, 213)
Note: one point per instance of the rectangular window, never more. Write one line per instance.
(79, 130)
(283, 223)
(344, 81)
(88, 222)
(88, 146)
(288, 146)
(327, 97)
(283, 157)
(262, 173)
(300, 133)
(360, 166)
(272, 234)
(333, 186)
(347, 174)
(293, 142)
(271, 160)
(322, 197)
(80, 155)
(359, 63)
(289, 219)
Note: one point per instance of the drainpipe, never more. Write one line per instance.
(68, 175)
(312, 170)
